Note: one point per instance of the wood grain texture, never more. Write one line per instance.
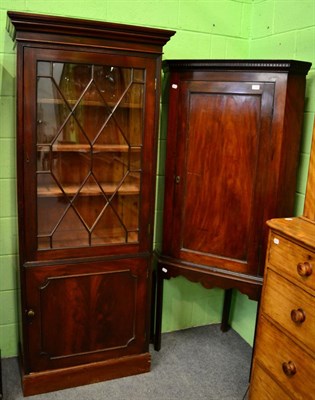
(273, 348)
(22, 26)
(297, 230)
(309, 205)
(225, 127)
(284, 257)
(62, 378)
(86, 312)
(280, 299)
(264, 387)
(284, 353)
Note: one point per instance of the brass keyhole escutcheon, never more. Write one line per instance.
(30, 314)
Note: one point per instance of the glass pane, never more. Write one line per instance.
(89, 143)
(131, 118)
(130, 214)
(138, 75)
(72, 80)
(109, 228)
(44, 69)
(111, 82)
(90, 202)
(48, 110)
(51, 206)
(116, 165)
(70, 232)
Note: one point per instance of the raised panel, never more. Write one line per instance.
(86, 312)
(222, 153)
(96, 312)
(226, 128)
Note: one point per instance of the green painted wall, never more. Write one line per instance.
(205, 29)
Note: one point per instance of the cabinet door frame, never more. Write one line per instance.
(84, 301)
(27, 149)
(176, 172)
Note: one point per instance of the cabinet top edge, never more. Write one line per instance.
(293, 66)
(299, 229)
(24, 23)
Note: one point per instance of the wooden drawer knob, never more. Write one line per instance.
(289, 368)
(298, 316)
(304, 269)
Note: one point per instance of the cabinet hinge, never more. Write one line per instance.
(155, 84)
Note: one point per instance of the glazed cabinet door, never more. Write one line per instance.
(222, 152)
(88, 153)
(85, 312)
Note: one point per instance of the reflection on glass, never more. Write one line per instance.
(89, 143)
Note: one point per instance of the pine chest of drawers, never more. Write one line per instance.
(284, 355)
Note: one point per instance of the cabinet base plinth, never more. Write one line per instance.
(51, 380)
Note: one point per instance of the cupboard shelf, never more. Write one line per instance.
(91, 103)
(86, 148)
(79, 239)
(90, 190)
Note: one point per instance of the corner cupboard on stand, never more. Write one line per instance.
(87, 112)
(231, 158)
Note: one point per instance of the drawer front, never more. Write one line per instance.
(291, 307)
(276, 352)
(262, 386)
(294, 260)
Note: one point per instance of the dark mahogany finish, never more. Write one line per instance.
(232, 151)
(87, 109)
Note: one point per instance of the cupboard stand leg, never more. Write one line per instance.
(225, 326)
(153, 302)
(158, 312)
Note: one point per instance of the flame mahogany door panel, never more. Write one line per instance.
(86, 312)
(222, 145)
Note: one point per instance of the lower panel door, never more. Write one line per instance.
(86, 312)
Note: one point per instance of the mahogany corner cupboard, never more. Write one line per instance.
(87, 113)
(231, 157)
